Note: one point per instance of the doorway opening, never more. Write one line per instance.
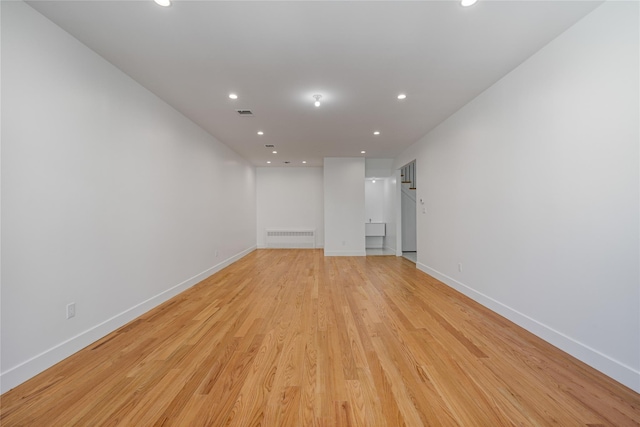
(409, 232)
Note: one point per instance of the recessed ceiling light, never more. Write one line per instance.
(377, 132)
(274, 152)
(163, 3)
(231, 95)
(373, 181)
(467, 3)
(317, 98)
(362, 152)
(268, 161)
(402, 96)
(260, 133)
(304, 161)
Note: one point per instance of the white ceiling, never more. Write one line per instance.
(275, 55)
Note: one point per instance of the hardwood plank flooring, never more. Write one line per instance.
(291, 338)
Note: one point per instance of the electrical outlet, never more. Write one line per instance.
(216, 253)
(71, 310)
(460, 266)
(344, 243)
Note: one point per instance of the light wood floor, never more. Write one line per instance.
(291, 338)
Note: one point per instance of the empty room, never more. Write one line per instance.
(320, 213)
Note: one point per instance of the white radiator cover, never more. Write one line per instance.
(294, 239)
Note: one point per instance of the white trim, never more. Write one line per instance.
(302, 249)
(389, 249)
(345, 253)
(617, 370)
(31, 367)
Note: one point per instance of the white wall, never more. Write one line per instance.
(374, 200)
(110, 198)
(380, 200)
(374, 208)
(344, 206)
(389, 214)
(380, 207)
(378, 168)
(290, 198)
(534, 188)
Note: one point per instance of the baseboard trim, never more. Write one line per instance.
(620, 372)
(345, 253)
(302, 249)
(32, 367)
(390, 249)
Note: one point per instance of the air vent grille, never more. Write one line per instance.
(290, 239)
(269, 145)
(245, 112)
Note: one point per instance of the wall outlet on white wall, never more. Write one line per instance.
(71, 310)
(216, 253)
(460, 266)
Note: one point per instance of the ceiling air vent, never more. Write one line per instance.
(269, 145)
(245, 112)
(286, 162)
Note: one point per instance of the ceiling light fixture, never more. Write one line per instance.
(402, 96)
(274, 152)
(317, 98)
(377, 132)
(231, 95)
(362, 152)
(467, 3)
(304, 161)
(163, 3)
(373, 181)
(260, 133)
(268, 161)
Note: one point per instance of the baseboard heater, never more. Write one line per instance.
(295, 239)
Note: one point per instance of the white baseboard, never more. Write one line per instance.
(345, 253)
(266, 247)
(30, 368)
(618, 371)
